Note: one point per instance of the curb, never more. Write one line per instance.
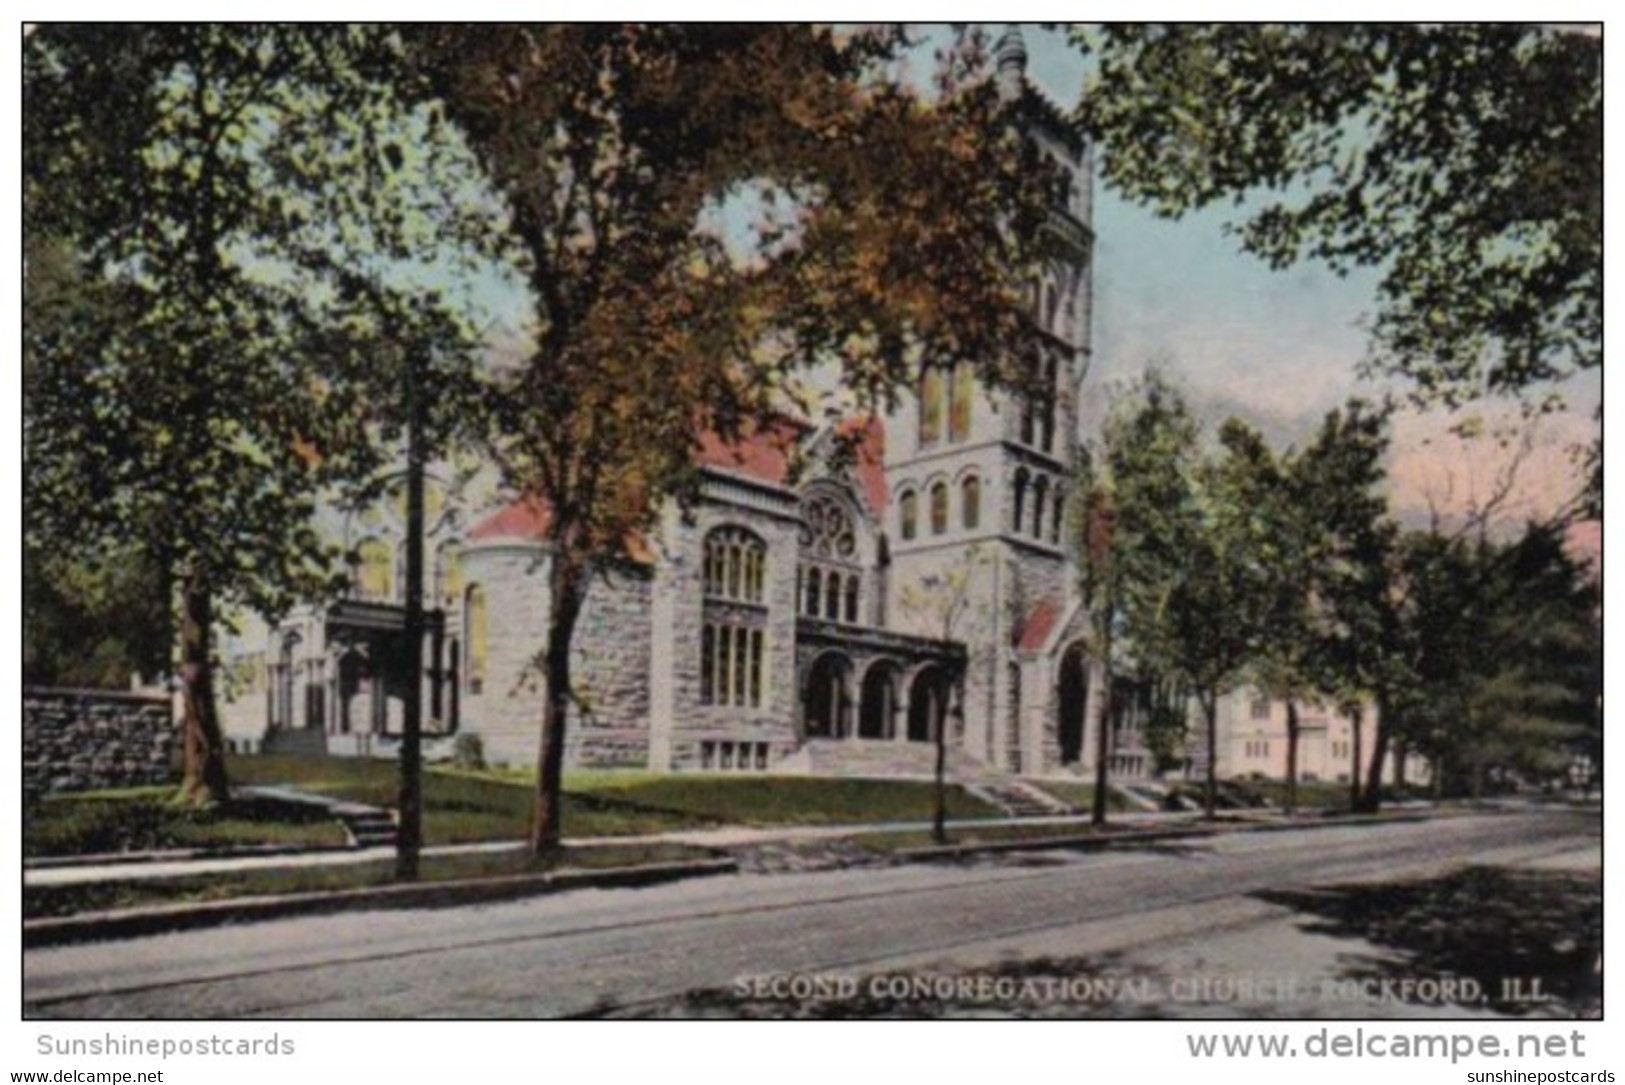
(132, 922)
(1100, 842)
(137, 858)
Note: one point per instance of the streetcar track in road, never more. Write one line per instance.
(870, 962)
(364, 957)
(1417, 851)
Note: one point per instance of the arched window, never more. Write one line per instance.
(933, 404)
(832, 597)
(815, 580)
(1051, 375)
(961, 402)
(1040, 492)
(448, 571)
(939, 508)
(908, 512)
(735, 563)
(1020, 491)
(852, 598)
(375, 567)
(970, 502)
(476, 637)
(1059, 518)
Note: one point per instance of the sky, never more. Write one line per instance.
(1280, 348)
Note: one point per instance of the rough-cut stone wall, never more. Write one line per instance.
(690, 724)
(609, 663)
(82, 740)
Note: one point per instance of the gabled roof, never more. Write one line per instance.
(1040, 623)
(761, 452)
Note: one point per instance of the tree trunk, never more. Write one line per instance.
(1357, 720)
(568, 588)
(1371, 801)
(1292, 731)
(203, 748)
(1210, 709)
(1103, 747)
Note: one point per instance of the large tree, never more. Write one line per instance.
(890, 229)
(226, 197)
(1464, 162)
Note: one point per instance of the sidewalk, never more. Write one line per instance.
(724, 837)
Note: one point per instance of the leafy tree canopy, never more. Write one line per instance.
(1463, 162)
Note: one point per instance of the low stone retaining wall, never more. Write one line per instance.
(86, 739)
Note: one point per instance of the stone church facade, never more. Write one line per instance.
(835, 593)
(834, 597)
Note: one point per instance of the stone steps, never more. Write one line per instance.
(1019, 799)
(876, 758)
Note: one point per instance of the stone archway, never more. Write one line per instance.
(1072, 704)
(827, 700)
(877, 707)
(928, 704)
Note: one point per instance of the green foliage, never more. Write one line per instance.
(1462, 161)
(896, 227)
(94, 620)
(213, 333)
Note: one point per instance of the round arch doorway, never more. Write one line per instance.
(826, 705)
(928, 704)
(1073, 701)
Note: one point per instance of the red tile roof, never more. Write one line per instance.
(1040, 623)
(760, 452)
(869, 458)
(524, 519)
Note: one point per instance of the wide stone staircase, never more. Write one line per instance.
(883, 759)
(876, 758)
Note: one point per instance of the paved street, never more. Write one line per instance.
(1202, 907)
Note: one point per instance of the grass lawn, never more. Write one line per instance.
(466, 805)
(463, 806)
(144, 819)
(60, 900)
(1312, 795)
(1080, 796)
(777, 800)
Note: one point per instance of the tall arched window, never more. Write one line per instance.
(476, 634)
(375, 569)
(1059, 518)
(832, 597)
(908, 514)
(1040, 492)
(448, 571)
(961, 402)
(970, 502)
(815, 582)
(1020, 493)
(852, 599)
(1051, 375)
(735, 563)
(933, 404)
(939, 508)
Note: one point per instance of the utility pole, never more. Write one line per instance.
(409, 833)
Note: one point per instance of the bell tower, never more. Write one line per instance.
(980, 477)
